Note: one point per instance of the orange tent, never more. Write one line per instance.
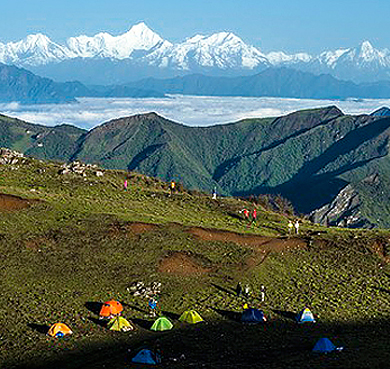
(110, 308)
(59, 330)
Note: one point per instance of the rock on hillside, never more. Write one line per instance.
(343, 211)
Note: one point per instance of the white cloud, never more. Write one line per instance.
(189, 110)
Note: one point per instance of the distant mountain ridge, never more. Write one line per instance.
(140, 52)
(17, 84)
(20, 85)
(272, 82)
(309, 156)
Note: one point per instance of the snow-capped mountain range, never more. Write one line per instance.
(140, 49)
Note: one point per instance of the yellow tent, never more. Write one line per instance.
(119, 324)
(59, 330)
(190, 316)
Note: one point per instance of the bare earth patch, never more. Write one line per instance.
(130, 229)
(261, 246)
(139, 228)
(180, 263)
(11, 203)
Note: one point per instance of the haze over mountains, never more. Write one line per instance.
(140, 52)
(322, 160)
(18, 84)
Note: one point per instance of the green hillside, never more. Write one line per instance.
(72, 241)
(308, 156)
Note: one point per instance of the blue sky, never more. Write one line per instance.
(288, 25)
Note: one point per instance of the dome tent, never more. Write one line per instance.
(252, 315)
(305, 316)
(119, 324)
(324, 345)
(146, 356)
(191, 316)
(162, 324)
(110, 309)
(59, 330)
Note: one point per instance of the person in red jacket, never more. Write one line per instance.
(246, 213)
(254, 215)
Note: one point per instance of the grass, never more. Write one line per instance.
(76, 245)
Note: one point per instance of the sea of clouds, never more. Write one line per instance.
(188, 110)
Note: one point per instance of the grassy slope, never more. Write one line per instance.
(75, 246)
(59, 143)
(319, 149)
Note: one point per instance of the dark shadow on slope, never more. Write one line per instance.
(144, 154)
(136, 308)
(94, 307)
(225, 344)
(143, 323)
(348, 143)
(99, 322)
(79, 147)
(40, 328)
(170, 315)
(223, 289)
(309, 191)
(231, 315)
(286, 314)
(226, 166)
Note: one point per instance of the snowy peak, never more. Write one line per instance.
(364, 56)
(367, 50)
(277, 58)
(222, 50)
(368, 53)
(139, 37)
(33, 50)
(215, 40)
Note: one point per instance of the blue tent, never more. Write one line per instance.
(305, 316)
(252, 315)
(324, 345)
(145, 356)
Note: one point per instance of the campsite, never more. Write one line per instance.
(72, 242)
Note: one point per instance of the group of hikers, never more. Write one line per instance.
(246, 292)
(292, 225)
(251, 217)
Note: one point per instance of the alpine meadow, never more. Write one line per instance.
(210, 193)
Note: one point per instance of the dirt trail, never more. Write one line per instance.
(251, 241)
(261, 246)
(11, 203)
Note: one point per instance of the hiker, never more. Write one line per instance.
(246, 291)
(238, 289)
(125, 185)
(172, 187)
(254, 215)
(214, 194)
(296, 227)
(290, 226)
(262, 293)
(246, 214)
(152, 306)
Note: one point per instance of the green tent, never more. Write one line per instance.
(162, 324)
(190, 316)
(119, 324)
